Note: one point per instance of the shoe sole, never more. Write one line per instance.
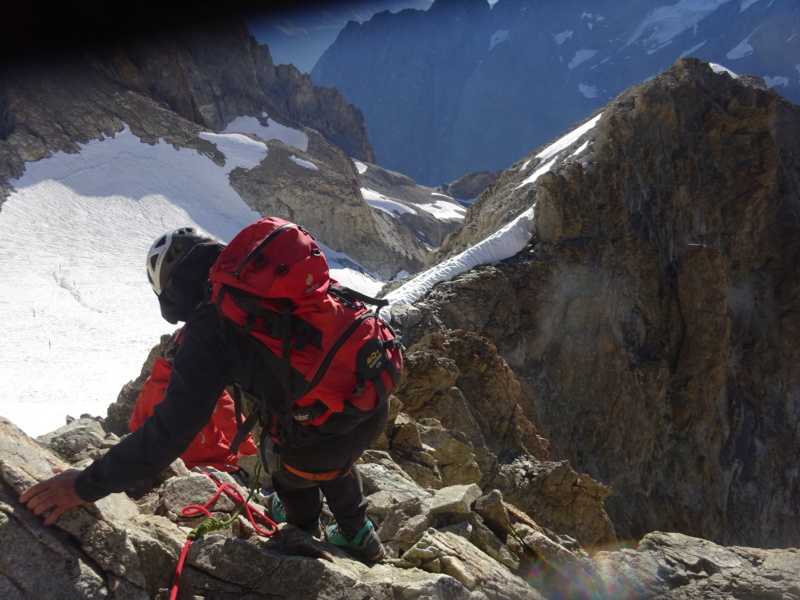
(359, 553)
(355, 554)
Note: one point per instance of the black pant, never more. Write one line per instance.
(302, 499)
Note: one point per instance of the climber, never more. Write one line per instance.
(213, 353)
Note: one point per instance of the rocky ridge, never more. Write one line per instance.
(461, 489)
(211, 75)
(654, 313)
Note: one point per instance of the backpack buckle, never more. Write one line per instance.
(360, 386)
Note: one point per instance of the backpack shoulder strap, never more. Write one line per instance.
(242, 427)
(286, 371)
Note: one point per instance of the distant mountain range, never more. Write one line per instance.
(300, 37)
(466, 86)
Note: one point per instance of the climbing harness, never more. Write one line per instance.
(211, 524)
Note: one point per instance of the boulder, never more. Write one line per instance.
(451, 554)
(673, 566)
(380, 473)
(100, 534)
(454, 500)
(80, 439)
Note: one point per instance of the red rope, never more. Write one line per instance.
(179, 570)
(193, 510)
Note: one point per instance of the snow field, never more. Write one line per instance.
(80, 316)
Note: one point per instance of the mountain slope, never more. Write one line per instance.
(78, 310)
(462, 88)
(654, 311)
(172, 88)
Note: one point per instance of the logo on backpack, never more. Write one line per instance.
(332, 354)
(374, 358)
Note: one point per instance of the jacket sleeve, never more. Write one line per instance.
(201, 370)
(152, 393)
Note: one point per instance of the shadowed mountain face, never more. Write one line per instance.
(462, 87)
(299, 35)
(655, 311)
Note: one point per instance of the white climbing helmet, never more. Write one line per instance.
(167, 251)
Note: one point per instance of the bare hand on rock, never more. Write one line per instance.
(57, 494)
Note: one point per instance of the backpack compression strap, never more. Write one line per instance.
(346, 293)
(286, 372)
(242, 427)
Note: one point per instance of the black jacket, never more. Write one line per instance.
(213, 353)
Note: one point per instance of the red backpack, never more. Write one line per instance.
(336, 359)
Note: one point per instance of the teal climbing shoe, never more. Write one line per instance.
(275, 510)
(277, 513)
(365, 544)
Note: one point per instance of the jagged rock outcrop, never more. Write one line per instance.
(654, 314)
(208, 77)
(213, 74)
(430, 213)
(454, 540)
(321, 109)
(328, 201)
(699, 569)
(470, 186)
(468, 406)
(54, 107)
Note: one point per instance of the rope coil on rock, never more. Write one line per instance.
(212, 524)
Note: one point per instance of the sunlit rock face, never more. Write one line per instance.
(655, 313)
